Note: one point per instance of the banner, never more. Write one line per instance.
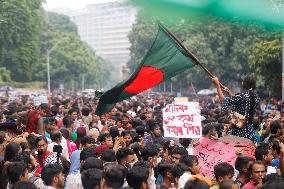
(211, 152)
(38, 100)
(182, 120)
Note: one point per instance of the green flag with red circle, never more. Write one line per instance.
(165, 59)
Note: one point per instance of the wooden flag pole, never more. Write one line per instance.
(191, 55)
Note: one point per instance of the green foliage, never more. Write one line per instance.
(27, 32)
(30, 85)
(59, 22)
(266, 63)
(221, 46)
(20, 24)
(70, 58)
(5, 74)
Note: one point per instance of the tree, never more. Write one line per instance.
(20, 24)
(224, 47)
(72, 59)
(60, 22)
(266, 62)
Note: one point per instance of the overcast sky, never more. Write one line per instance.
(74, 4)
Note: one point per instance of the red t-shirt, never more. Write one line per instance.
(32, 121)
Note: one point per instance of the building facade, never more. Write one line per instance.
(105, 28)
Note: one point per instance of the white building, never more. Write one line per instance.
(105, 28)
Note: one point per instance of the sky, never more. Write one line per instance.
(73, 4)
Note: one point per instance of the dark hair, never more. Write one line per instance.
(11, 150)
(178, 150)
(91, 178)
(103, 137)
(114, 132)
(31, 140)
(165, 167)
(273, 181)
(274, 127)
(87, 153)
(144, 164)
(276, 146)
(24, 185)
(67, 122)
(54, 110)
(179, 169)
(43, 106)
(55, 136)
(207, 128)
(15, 170)
(25, 145)
(189, 160)
(136, 176)
(23, 157)
(196, 184)
(242, 161)
(52, 120)
(40, 138)
(72, 110)
(149, 151)
(125, 133)
(92, 162)
(256, 162)
(50, 171)
(85, 140)
(152, 125)
(140, 131)
(114, 175)
(185, 142)
(227, 184)
(261, 150)
(65, 132)
(108, 156)
(223, 169)
(86, 111)
(122, 153)
(249, 82)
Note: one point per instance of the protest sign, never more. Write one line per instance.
(182, 120)
(211, 152)
(38, 100)
(181, 99)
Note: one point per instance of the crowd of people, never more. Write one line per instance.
(64, 144)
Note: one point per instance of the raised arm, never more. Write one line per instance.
(219, 90)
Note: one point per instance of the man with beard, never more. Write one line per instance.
(53, 177)
(258, 171)
(43, 156)
(126, 125)
(127, 138)
(156, 135)
(242, 165)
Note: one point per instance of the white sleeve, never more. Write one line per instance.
(183, 179)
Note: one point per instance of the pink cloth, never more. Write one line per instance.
(71, 147)
(250, 185)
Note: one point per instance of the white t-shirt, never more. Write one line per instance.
(183, 179)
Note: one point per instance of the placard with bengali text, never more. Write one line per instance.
(182, 120)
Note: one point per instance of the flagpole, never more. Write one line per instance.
(189, 53)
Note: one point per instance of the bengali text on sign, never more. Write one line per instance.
(182, 120)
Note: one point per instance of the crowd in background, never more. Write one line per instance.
(64, 144)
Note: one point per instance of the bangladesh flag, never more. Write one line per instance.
(165, 59)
